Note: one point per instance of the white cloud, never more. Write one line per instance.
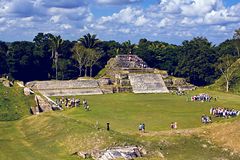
(66, 26)
(2, 20)
(141, 21)
(168, 19)
(164, 22)
(55, 19)
(181, 18)
(124, 30)
(117, 2)
(219, 28)
(170, 6)
(223, 16)
(200, 7)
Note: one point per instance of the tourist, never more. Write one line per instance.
(143, 127)
(72, 102)
(172, 125)
(223, 112)
(77, 102)
(66, 102)
(201, 97)
(140, 127)
(85, 103)
(206, 119)
(175, 125)
(87, 108)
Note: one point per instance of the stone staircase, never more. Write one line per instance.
(147, 83)
(66, 88)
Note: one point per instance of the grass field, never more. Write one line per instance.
(157, 111)
(57, 135)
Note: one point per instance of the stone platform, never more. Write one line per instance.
(66, 88)
(147, 83)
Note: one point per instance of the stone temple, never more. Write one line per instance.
(124, 73)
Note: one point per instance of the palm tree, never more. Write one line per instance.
(89, 41)
(128, 47)
(55, 43)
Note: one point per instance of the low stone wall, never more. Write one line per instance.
(53, 84)
(71, 92)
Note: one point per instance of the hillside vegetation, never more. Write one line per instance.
(13, 103)
(234, 83)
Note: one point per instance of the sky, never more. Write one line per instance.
(171, 21)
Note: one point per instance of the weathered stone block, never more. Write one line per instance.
(20, 84)
(121, 76)
(6, 83)
(42, 104)
(179, 81)
(104, 81)
(27, 91)
(168, 82)
(124, 82)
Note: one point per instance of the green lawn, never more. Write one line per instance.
(157, 111)
(57, 135)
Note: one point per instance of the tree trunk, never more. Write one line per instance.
(227, 86)
(80, 71)
(237, 50)
(85, 71)
(91, 71)
(56, 63)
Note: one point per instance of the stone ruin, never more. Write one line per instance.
(129, 73)
(6, 82)
(124, 73)
(41, 105)
(44, 104)
(127, 153)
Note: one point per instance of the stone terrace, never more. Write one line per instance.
(66, 88)
(130, 61)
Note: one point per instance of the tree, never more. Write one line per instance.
(236, 37)
(21, 61)
(80, 55)
(143, 51)
(55, 43)
(224, 66)
(89, 41)
(93, 56)
(42, 54)
(3, 57)
(196, 61)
